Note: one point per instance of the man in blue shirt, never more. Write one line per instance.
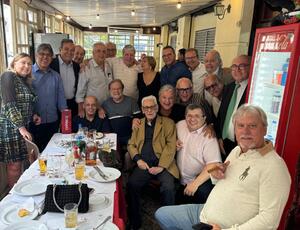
(48, 86)
(173, 70)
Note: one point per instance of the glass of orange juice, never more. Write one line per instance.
(42, 159)
(79, 170)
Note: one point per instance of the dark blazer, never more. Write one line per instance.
(76, 67)
(227, 94)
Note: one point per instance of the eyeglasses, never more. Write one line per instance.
(211, 87)
(149, 108)
(42, 54)
(242, 66)
(184, 90)
(190, 58)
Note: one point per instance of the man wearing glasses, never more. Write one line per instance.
(49, 88)
(214, 87)
(197, 69)
(196, 153)
(234, 96)
(152, 146)
(186, 96)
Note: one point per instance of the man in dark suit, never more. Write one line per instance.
(69, 71)
(234, 95)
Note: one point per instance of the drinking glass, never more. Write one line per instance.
(79, 170)
(42, 159)
(71, 211)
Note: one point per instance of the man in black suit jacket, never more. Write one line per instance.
(69, 71)
(240, 73)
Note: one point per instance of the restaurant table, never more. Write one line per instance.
(57, 147)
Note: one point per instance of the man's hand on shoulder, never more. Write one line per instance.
(101, 113)
(155, 170)
(209, 131)
(136, 123)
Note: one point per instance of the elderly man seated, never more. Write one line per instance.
(252, 186)
(196, 153)
(90, 118)
(152, 146)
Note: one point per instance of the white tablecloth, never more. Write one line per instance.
(56, 220)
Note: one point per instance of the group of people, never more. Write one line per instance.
(178, 126)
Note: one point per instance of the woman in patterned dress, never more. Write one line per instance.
(16, 106)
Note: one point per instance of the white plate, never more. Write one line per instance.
(110, 226)
(112, 174)
(27, 225)
(31, 187)
(9, 214)
(99, 201)
(99, 135)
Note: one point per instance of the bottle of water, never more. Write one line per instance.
(285, 68)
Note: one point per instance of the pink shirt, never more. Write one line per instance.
(197, 151)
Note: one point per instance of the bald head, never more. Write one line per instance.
(212, 61)
(213, 85)
(184, 88)
(90, 106)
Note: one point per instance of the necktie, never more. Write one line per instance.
(229, 112)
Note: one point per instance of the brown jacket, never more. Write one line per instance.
(164, 143)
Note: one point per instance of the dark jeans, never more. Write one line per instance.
(138, 179)
(42, 133)
(199, 197)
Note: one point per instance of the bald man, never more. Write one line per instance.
(90, 119)
(214, 87)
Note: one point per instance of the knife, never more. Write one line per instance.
(101, 173)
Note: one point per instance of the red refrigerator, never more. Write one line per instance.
(275, 86)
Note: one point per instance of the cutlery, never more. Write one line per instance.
(101, 173)
(102, 223)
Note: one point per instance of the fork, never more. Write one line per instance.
(101, 173)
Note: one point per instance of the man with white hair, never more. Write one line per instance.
(126, 69)
(251, 187)
(94, 81)
(152, 146)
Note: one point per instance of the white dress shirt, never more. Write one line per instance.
(198, 75)
(240, 92)
(68, 78)
(93, 81)
(128, 75)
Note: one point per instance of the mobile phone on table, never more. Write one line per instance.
(202, 226)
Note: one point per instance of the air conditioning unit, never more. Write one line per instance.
(125, 30)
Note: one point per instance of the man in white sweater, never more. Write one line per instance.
(252, 186)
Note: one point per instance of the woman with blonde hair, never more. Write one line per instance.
(16, 111)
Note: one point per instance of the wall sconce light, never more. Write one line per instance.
(178, 5)
(220, 10)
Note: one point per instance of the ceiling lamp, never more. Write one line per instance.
(178, 5)
(98, 16)
(90, 26)
(132, 12)
(58, 16)
(68, 18)
(154, 28)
